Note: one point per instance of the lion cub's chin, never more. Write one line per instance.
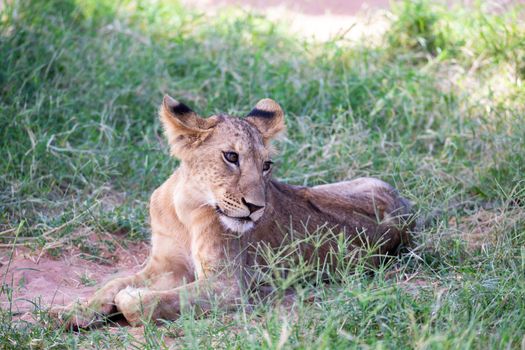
(236, 225)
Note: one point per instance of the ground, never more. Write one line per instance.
(427, 97)
(49, 280)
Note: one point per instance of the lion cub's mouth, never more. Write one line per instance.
(236, 224)
(242, 218)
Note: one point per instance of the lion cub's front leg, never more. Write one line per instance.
(99, 306)
(142, 305)
(217, 276)
(166, 269)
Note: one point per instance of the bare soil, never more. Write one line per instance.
(37, 279)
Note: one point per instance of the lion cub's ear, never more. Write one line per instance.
(184, 129)
(268, 117)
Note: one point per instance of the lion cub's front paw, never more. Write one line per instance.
(136, 305)
(79, 315)
(75, 316)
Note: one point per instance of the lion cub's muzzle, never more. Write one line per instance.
(247, 211)
(239, 216)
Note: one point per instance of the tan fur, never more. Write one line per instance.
(200, 251)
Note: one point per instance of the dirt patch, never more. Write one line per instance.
(38, 279)
(342, 7)
(318, 20)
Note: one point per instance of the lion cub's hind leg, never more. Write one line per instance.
(371, 203)
(369, 194)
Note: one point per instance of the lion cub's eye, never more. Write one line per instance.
(267, 165)
(231, 157)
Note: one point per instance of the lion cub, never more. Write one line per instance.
(210, 216)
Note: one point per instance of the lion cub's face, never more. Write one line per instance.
(227, 158)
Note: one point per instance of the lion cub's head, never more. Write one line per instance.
(227, 159)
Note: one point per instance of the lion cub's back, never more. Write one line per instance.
(368, 195)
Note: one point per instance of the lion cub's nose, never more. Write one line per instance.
(252, 207)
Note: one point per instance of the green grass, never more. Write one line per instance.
(437, 109)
